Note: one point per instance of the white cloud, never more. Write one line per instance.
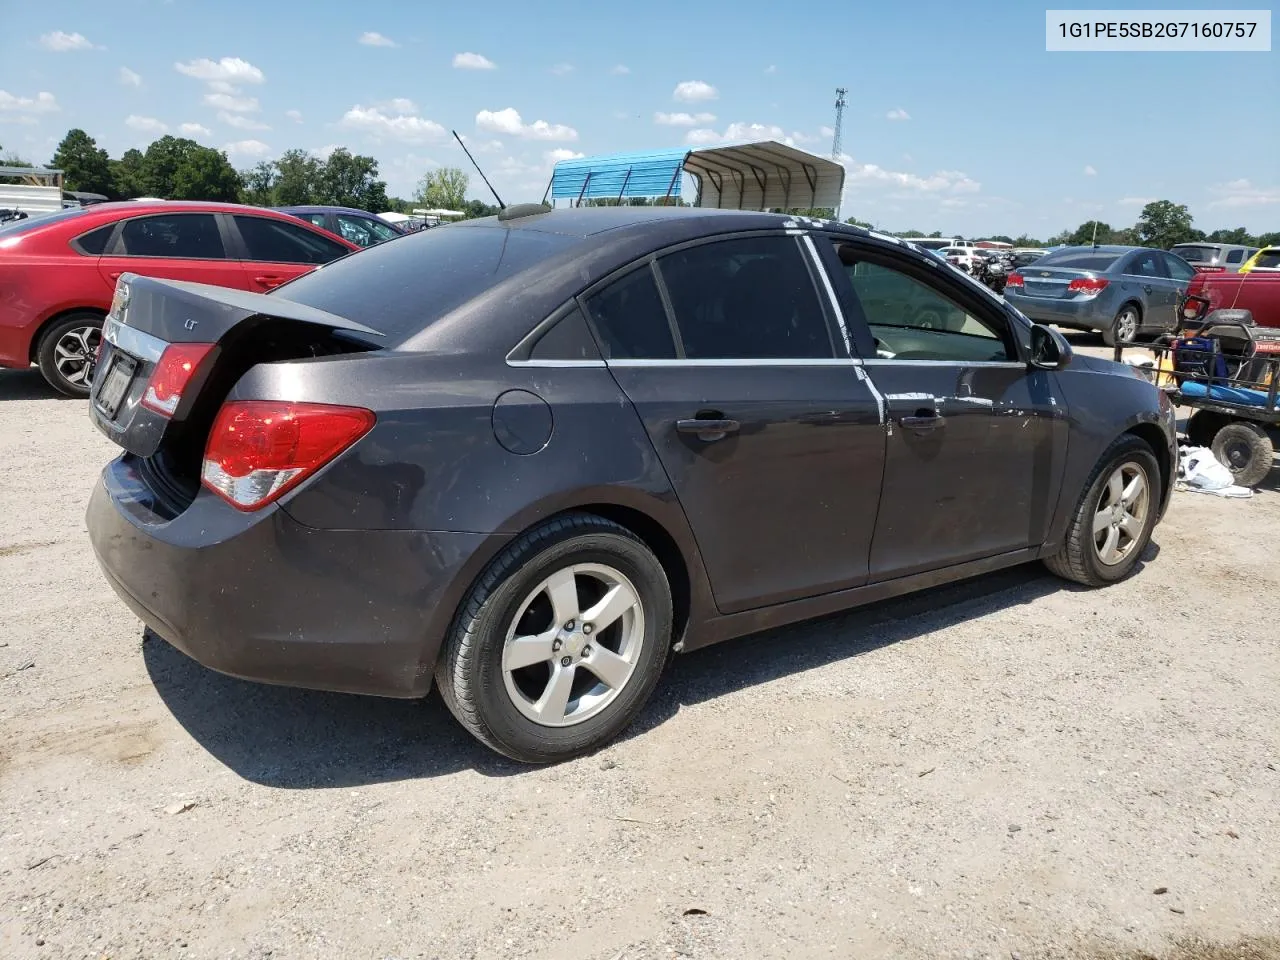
(226, 70)
(897, 114)
(294, 115)
(405, 127)
(562, 69)
(1243, 193)
(621, 70)
(397, 105)
(60, 42)
(473, 61)
(240, 122)
(555, 156)
(323, 153)
(944, 181)
(145, 124)
(771, 68)
(43, 102)
(374, 39)
(692, 91)
(221, 86)
(247, 148)
(702, 136)
(232, 104)
(1089, 171)
(826, 132)
(129, 78)
(683, 119)
(509, 122)
(195, 130)
(1132, 201)
(755, 131)
(482, 146)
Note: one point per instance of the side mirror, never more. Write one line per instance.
(1049, 349)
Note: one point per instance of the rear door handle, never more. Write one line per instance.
(269, 281)
(708, 429)
(1146, 287)
(930, 422)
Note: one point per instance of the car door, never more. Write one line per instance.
(274, 251)
(174, 246)
(1180, 276)
(768, 431)
(1148, 270)
(975, 438)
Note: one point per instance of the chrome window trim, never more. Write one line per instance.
(991, 364)
(132, 340)
(556, 363)
(740, 362)
(815, 260)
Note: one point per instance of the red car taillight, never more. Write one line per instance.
(1087, 285)
(1014, 280)
(175, 369)
(1211, 269)
(259, 449)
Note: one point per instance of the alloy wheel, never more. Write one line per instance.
(1127, 324)
(1121, 515)
(573, 644)
(74, 353)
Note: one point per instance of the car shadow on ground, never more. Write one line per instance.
(298, 739)
(26, 385)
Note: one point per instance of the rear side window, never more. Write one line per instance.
(362, 231)
(1148, 263)
(751, 299)
(313, 218)
(630, 319)
(1178, 269)
(1268, 259)
(1079, 260)
(94, 242)
(1235, 256)
(277, 241)
(181, 236)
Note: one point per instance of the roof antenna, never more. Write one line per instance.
(501, 205)
(1095, 227)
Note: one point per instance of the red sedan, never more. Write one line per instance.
(58, 272)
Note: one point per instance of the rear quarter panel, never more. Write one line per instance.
(36, 287)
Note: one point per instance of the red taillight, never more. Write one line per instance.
(175, 369)
(1014, 280)
(1211, 269)
(1092, 285)
(259, 449)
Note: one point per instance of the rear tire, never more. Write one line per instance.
(1245, 449)
(1125, 326)
(520, 639)
(67, 350)
(1110, 529)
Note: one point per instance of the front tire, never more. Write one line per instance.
(1113, 520)
(1245, 449)
(67, 350)
(560, 643)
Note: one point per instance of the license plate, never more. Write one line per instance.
(115, 383)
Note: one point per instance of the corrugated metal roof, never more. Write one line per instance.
(760, 175)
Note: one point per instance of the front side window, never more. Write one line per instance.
(277, 241)
(911, 319)
(364, 232)
(751, 298)
(183, 236)
(630, 319)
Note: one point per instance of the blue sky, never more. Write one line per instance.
(958, 120)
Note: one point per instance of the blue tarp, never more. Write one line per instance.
(649, 173)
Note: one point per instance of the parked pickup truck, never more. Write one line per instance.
(1257, 291)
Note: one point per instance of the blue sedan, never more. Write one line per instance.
(1122, 292)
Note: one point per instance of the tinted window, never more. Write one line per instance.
(399, 288)
(568, 339)
(752, 298)
(1178, 269)
(364, 232)
(1268, 259)
(1196, 254)
(95, 241)
(1234, 256)
(1022, 259)
(314, 218)
(188, 236)
(1079, 260)
(1148, 263)
(913, 320)
(277, 241)
(630, 319)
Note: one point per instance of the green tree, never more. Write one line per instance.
(85, 166)
(297, 179)
(1002, 238)
(127, 177)
(348, 180)
(1237, 235)
(474, 209)
(911, 234)
(1026, 241)
(206, 174)
(1089, 232)
(443, 189)
(259, 184)
(859, 223)
(1164, 223)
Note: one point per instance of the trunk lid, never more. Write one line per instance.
(149, 315)
(1052, 282)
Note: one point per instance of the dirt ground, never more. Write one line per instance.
(1004, 768)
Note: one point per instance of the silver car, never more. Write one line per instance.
(1208, 257)
(1122, 292)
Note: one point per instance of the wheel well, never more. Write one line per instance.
(1137, 306)
(657, 539)
(34, 348)
(1153, 437)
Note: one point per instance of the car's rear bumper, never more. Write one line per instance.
(268, 599)
(1074, 314)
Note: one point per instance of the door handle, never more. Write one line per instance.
(269, 281)
(927, 422)
(1146, 287)
(708, 430)
(115, 275)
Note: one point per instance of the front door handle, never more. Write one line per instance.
(929, 422)
(708, 430)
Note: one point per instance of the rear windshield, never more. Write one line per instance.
(1269, 259)
(928, 244)
(399, 287)
(11, 228)
(1194, 254)
(1079, 260)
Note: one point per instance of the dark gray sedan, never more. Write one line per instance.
(1123, 292)
(526, 458)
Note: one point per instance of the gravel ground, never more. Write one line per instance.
(1007, 767)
